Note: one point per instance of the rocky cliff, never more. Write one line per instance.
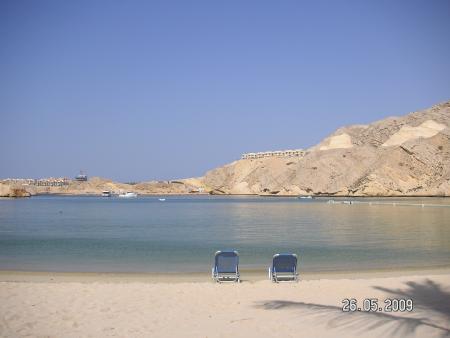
(397, 156)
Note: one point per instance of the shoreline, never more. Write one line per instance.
(247, 276)
(231, 195)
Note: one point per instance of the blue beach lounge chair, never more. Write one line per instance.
(226, 266)
(284, 268)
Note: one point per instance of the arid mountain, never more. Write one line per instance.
(397, 156)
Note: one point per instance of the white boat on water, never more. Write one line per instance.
(161, 199)
(106, 193)
(128, 195)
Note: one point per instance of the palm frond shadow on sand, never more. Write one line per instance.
(431, 308)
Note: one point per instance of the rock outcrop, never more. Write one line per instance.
(397, 156)
(7, 190)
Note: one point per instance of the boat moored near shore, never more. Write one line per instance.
(128, 195)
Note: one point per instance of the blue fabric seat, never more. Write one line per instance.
(226, 266)
(283, 268)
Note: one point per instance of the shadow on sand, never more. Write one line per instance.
(431, 309)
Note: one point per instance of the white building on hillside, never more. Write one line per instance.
(278, 153)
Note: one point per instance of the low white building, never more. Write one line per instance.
(278, 153)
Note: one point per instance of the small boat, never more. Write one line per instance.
(305, 197)
(128, 195)
(106, 193)
(161, 199)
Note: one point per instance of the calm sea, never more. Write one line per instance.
(51, 233)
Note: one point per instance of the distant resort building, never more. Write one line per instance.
(81, 177)
(279, 153)
(45, 182)
(42, 182)
(52, 182)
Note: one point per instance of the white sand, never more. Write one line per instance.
(63, 306)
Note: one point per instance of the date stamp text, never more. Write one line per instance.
(374, 305)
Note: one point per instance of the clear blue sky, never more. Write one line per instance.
(140, 90)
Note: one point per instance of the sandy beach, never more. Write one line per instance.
(41, 304)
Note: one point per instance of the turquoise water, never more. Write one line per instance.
(55, 233)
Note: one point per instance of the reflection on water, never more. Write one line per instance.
(182, 233)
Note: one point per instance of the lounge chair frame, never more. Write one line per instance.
(220, 276)
(278, 276)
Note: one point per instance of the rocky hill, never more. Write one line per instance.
(397, 156)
